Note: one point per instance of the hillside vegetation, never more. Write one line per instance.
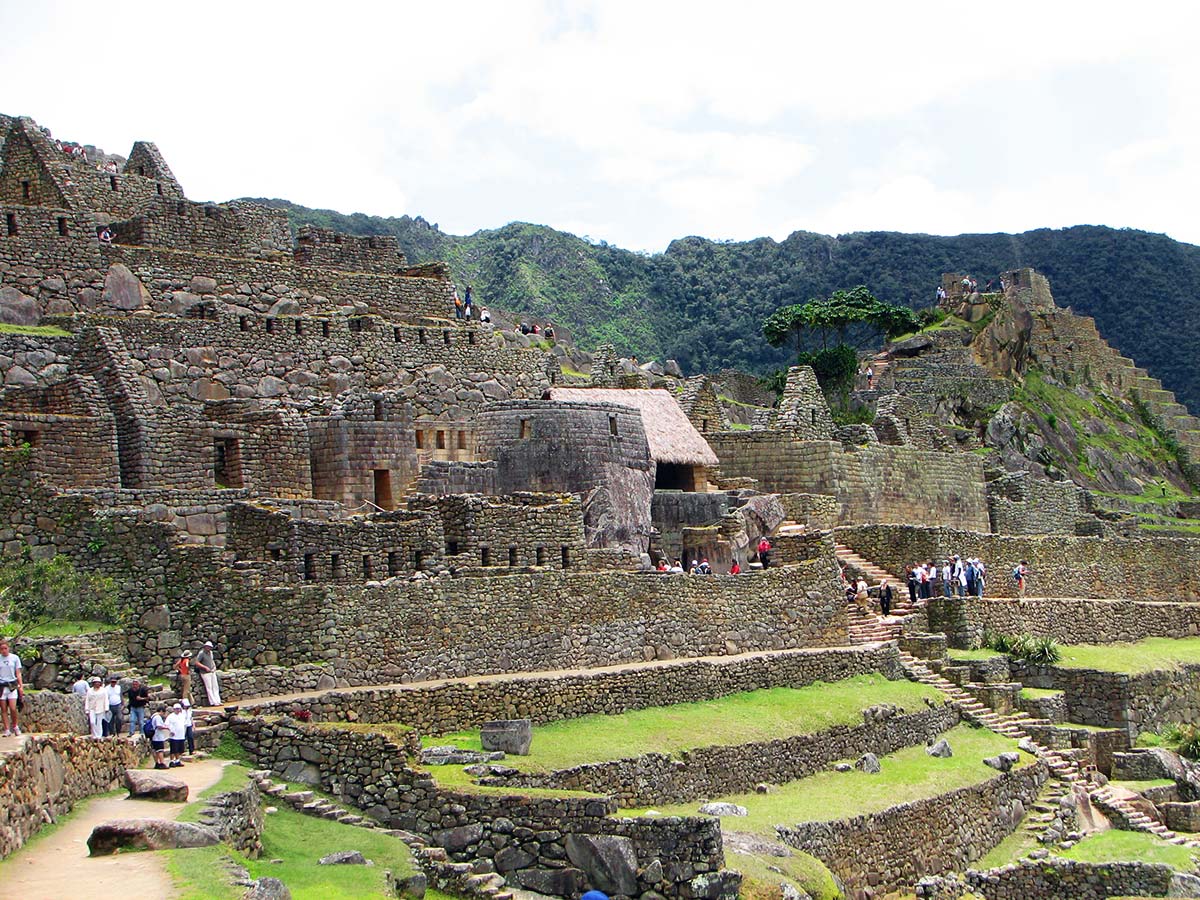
(703, 302)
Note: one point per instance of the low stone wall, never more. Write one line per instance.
(1136, 703)
(1060, 566)
(1054, 879)
(544, 844)
(660, 778)
(446, 707)
(1069, 621)
(49, 774)
(893, 848)
(238, 817)
(239, 684)
(54, 712)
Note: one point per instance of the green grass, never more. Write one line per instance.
(1014, 847)
(1132, 659)
(737, 719)
(65, 628)
(1030, 693)
(36, 330)
(1145, 784)
(907, 775)
(230, 747)
(300, 841)
(1119, 846)
(972, 655)
(804, 870)
(233, 778)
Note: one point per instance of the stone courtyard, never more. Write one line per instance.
(397, 527)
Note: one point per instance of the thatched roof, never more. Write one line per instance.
(672, 438)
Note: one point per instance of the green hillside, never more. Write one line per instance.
(702, 301)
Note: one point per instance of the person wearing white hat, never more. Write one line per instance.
(158, 741)
(208, 674)
(95, 704)
(190, 734)
(177, 726)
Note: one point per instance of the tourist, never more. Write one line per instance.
(980, 578)
(548, 331)
(95, 704)
(80, 686)
(764, 551)
(458, 305)
(484, 314)
(190, 734)
(704, 568)
(677, 568)
(1021, 575)
(926, 578)
(860, 595)
(885, 597)
(941, 293)
(910, 578)
(113, 726)
(467, 304)
(946, 579)
(176, 724)
(139, 696)
(662, 565)
(969, 576)
(183, 675)
(159, 737)
(870, 378)
(12, 686)
(208, 674)
(105, 235)
(959, 576)
(735, 568)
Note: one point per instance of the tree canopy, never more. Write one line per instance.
(836, 313)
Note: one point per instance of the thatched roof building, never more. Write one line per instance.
(673, 440)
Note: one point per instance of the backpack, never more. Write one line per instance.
(148, 729)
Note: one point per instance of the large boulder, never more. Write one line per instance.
(609, 862)
(723, 809)
(148, 834)
(1004, 762)
(123, 290)
(268, 889)
(508, 735)
(941, 749)
(868, 763)
(148, 784)
(17, 308)
(555, 882)
(343, 858)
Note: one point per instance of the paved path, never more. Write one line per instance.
(57, 866)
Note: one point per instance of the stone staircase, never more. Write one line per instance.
(1063, 765)
(869, 628)
(458, 879)
(104, 662)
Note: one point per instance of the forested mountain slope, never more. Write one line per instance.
(702, 302)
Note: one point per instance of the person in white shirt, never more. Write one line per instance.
(95, 704)
(190, 734)
(158, 741)
(11, 688)
(113, 727)
(177, 727)
(79, 687)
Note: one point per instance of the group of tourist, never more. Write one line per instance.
(206, 665)
(959, 578)
(536, 330)
(171, 728)
(464, 305)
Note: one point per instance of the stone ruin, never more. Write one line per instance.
(290, 446)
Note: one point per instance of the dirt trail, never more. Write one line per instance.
(58, 866)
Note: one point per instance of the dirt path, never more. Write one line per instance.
(58, 865)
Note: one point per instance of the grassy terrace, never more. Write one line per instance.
(1119, 846)
(971, 655)
(35, 330)
(1132, 659)
(737, 719)
(907, 775)
(1030, 693)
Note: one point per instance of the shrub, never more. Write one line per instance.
(1043, 651)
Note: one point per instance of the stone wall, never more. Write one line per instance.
(893, 848)
(54, 712)
(818, 512)
(1069, 621)
(541, 843)
(1054, 879)
(239, 228)
(324, 247)
(1020, 503)
(237, 816)
(47, 775)
(1060, 566)
(878, 483)
(1136, 703)
(456, 706)
(714, 771)
(523, 530)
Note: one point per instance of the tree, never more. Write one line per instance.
(836, 313)
(34, 592)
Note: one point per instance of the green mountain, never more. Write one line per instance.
(702, 302)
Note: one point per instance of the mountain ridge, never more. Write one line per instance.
(702, 301)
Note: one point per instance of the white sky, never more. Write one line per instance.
(639, 122)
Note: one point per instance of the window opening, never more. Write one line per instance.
(383, 489)
(512, 557)
(62, 225)
(227, 463)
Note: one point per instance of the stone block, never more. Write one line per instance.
(508, 735)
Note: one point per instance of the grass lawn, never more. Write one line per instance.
(66, 628)
(760, 882)
(1014, 847)
(300, 841)
(907, 775)
(37, 330)
(233, 778)
(972, 655)
(1119, 846)
(1144, 784)
(1132, 659)
(737, 719)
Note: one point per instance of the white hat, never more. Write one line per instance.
(177, 706)
(186, 703)
(208, 643)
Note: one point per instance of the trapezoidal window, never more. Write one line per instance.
(703, 426)
(393, 563)
(159, 186)
(62, 226)
(485, 556)
(441, 440)
(524, 433)
(310, 566)
(227, 462)
(612, 425)
(566, 557)
(336, 569)
(512, 557)
(420, 435)
(446, 338)
(10, 223)
(378, 409)
(30, 436)
(24, 190)
(462, 440)
(142, 171)
(368, 568)
(112, 182)
(541, 556)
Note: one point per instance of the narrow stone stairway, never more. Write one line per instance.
(1061, 765)
(103, 662)
(869, 628)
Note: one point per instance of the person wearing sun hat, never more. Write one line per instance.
(95, 704)
(208, 674)
(177, 726)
